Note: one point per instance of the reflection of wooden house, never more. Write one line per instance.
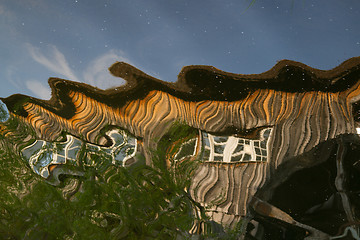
(252, 128)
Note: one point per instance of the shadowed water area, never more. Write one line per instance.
(214, 155)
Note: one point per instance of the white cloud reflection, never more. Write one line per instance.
(95, 73)
(55, 62)
(39, 89)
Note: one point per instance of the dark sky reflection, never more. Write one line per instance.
(79, 40)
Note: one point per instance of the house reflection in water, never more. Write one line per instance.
(276, 152)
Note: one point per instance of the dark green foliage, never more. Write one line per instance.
(136, 203)
(107, 202)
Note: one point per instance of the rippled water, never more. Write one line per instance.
(94, 197)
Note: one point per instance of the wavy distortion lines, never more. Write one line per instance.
(294, 116)
(301, 112)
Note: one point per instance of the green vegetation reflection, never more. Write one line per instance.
(109, 202)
